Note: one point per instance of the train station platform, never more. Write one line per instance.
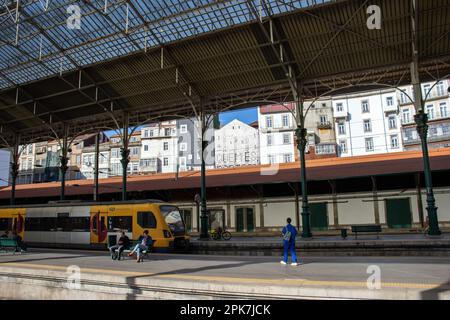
(48, 274)
(364, 245)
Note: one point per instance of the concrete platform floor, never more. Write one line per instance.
(401, 277)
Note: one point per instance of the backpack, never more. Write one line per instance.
(287, 235)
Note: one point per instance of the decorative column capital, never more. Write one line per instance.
(421, 119)
(301, 138)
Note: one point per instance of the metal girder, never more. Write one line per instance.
(66, 55)
(179, 68)
(279, 52)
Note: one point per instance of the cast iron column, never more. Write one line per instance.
(204, 234)
(421, 119)
(125, 157)
(301, 144)
(64, 161)
(14, 171)
(97, 153)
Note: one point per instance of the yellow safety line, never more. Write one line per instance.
(283, 282)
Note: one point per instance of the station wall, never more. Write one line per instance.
(342, 210)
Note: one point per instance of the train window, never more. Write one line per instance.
(47, 224)
(80, 224)
(120, 224)
(66, 224)
(146, 220)
(173, 219)
(32, 224)
(5, 224)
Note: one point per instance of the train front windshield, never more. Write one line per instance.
(173, 219)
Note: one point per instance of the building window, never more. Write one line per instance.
(269, 140)
(392, 122)
(269, 122)
(340, 107)
(166, 162)
(365, 106)
(323, 120)
(369, 144)
(403, 98)
(444, 112)
(287, 158)
(390, 101)
(146, 147)
(167, 132)
(343, 146)
(440, 89)
(367, 126)
(183, 128)
(427, 92)
(272, 159)
(406, 116)
(341, 128)
(135, 151)
(183, 162)
(325, 149)
(183, 146)
(285, 120)
(430, 112)
(286, 138)
(165, 146)
(394, 142)
(150, 133)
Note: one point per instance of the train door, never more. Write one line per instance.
(18, 223)
(99, 230)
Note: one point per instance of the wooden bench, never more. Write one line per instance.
(9, 245)
(133, 243)
(366, 229)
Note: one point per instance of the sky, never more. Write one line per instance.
(245, 115)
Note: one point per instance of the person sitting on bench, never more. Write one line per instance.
(143, 244)
(20, 245)
(122, 244)
(5, 235)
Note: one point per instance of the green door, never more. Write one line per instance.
(398, 213)
(319, 216)
(239, 219)
(250, 217)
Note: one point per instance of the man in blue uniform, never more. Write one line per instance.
(289, 234)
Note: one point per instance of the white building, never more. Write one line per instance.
(88, 164)
(276, 134)
(5, 158)
(437, 106)
(367, 123)
(236, 144)
(159, 151)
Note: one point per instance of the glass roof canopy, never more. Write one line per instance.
(36, 42)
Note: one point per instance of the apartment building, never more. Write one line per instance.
(276, 133)
(367, 123)
(437, 106)
(320, 129)
(88, 164)
(5, 161)
(134, 145)
(189, 144)
(159, 148)
(236, 144)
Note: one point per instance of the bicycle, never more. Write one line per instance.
(218, 235)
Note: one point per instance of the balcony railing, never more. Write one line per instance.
(324, 125)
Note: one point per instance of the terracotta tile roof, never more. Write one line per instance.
(318, 170)
(277, 108)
